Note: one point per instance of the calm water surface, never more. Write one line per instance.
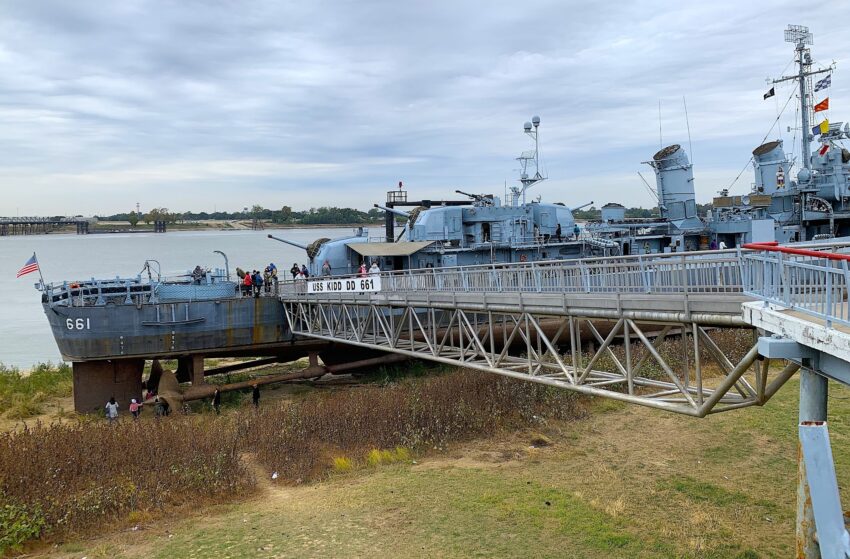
(25, 337)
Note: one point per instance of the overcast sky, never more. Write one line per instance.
(203, 105)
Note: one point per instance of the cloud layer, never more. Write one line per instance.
(195, 105)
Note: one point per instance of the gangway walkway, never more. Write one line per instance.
(530, 320)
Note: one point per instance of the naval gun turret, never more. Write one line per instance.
(312, 249)
(333, 251)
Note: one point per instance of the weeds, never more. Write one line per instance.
(300, 439)
(83, 474)
(343, 464)
(18, 524)
(22, 395)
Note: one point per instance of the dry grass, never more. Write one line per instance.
(24, 394)
(83, 475)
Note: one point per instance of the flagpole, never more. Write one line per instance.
(41, 277)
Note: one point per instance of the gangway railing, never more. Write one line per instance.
(813, 282)
(704, 272)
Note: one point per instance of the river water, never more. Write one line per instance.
(25, 337)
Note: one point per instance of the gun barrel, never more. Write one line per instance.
(485, 198)
(582, 206)
(393, 211)
(293, 243)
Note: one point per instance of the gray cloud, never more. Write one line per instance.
(195, 104)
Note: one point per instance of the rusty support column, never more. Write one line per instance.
(196, 370)
(813, 407)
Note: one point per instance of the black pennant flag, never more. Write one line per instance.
(770, 93)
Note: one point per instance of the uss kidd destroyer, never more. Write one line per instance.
(815, 205)
(108, 328)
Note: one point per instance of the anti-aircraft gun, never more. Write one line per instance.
(484, 199)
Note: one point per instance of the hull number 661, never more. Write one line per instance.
(78, 323)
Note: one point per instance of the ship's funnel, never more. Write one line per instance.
(771, 167)
(674, 179)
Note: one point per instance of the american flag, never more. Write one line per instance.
(30, 266)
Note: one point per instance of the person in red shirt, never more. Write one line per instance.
(247, 284)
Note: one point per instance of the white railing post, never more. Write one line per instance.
(828, 310)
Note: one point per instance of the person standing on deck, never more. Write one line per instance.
(326, 268)
(111, 409)
(247, 284)
(294, 270)
(258, 283)
(558, 232)
(305, 271)
(362, 271)
(374, 270)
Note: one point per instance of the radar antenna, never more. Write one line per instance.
(525, 159)
(801, 37)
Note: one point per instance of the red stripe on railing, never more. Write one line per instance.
(773, 246)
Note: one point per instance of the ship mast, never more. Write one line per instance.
(531, 129)
(800, 35)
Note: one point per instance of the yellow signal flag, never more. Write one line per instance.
(824, 126)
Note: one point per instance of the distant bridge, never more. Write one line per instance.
(40, 225)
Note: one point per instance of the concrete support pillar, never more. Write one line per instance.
(813, 407)
(190, 369)
(95, 382)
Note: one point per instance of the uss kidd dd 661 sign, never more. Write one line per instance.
(345, 285)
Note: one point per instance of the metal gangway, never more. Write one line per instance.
(532, 320)
(535, 321)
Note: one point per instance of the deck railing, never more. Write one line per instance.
(139, 290)
(814, 282)
(704, 272)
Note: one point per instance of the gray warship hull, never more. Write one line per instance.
(168, 330)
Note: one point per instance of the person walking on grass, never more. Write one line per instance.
(135, 408)
(111, 409)
(216, 402)
(162, 407)
(255, 396)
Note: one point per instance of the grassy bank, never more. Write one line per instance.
(624, 482)
(24, 394)
(80, 477)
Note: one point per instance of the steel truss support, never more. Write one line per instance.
(527, 346)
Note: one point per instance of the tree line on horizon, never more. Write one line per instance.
(325, 215)
(286, 215)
